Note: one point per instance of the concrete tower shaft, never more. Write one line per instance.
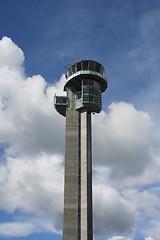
(85, 81)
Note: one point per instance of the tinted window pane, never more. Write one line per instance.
(102, 70)
(64, 99)
(91, 90)
(90, 98)
(85, 82)
(85, 90)
(85, 98)
(91, 82)
(78, 66)
(92, 66)
(85, 65)
(70, 71)
(98, 67)
(74, 68)
(78, 95)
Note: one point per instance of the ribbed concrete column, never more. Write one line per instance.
(86, 177)
(71, 206)
(78, 177)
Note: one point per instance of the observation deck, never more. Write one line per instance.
(86, 69)
(86, 81)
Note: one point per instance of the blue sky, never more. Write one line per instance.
(37, 41)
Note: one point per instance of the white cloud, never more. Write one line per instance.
(17, 229)
(146, 201)
(28, 122)
(149, 238)
(10, 55)
(31, 173)
(23, 229)
(119, 238)
(37, 182)
(113, 214)
(122, 139)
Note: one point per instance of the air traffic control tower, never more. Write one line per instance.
(85, 81)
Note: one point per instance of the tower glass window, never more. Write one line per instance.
(78, 66)
(85, 65)
(92, 65)
(79, 95)
(73, 68)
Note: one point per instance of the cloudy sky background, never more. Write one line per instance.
(38, 40)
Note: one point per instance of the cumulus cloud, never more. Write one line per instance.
(127, 131)
(33, 185)
(113, 214)
(28, 122)
(23, 229)
(31, 168)
(16, 229)
(119, 238)
(37, 183)
(10, 55)
(149, 238)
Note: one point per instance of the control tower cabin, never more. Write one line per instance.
(85, 81)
